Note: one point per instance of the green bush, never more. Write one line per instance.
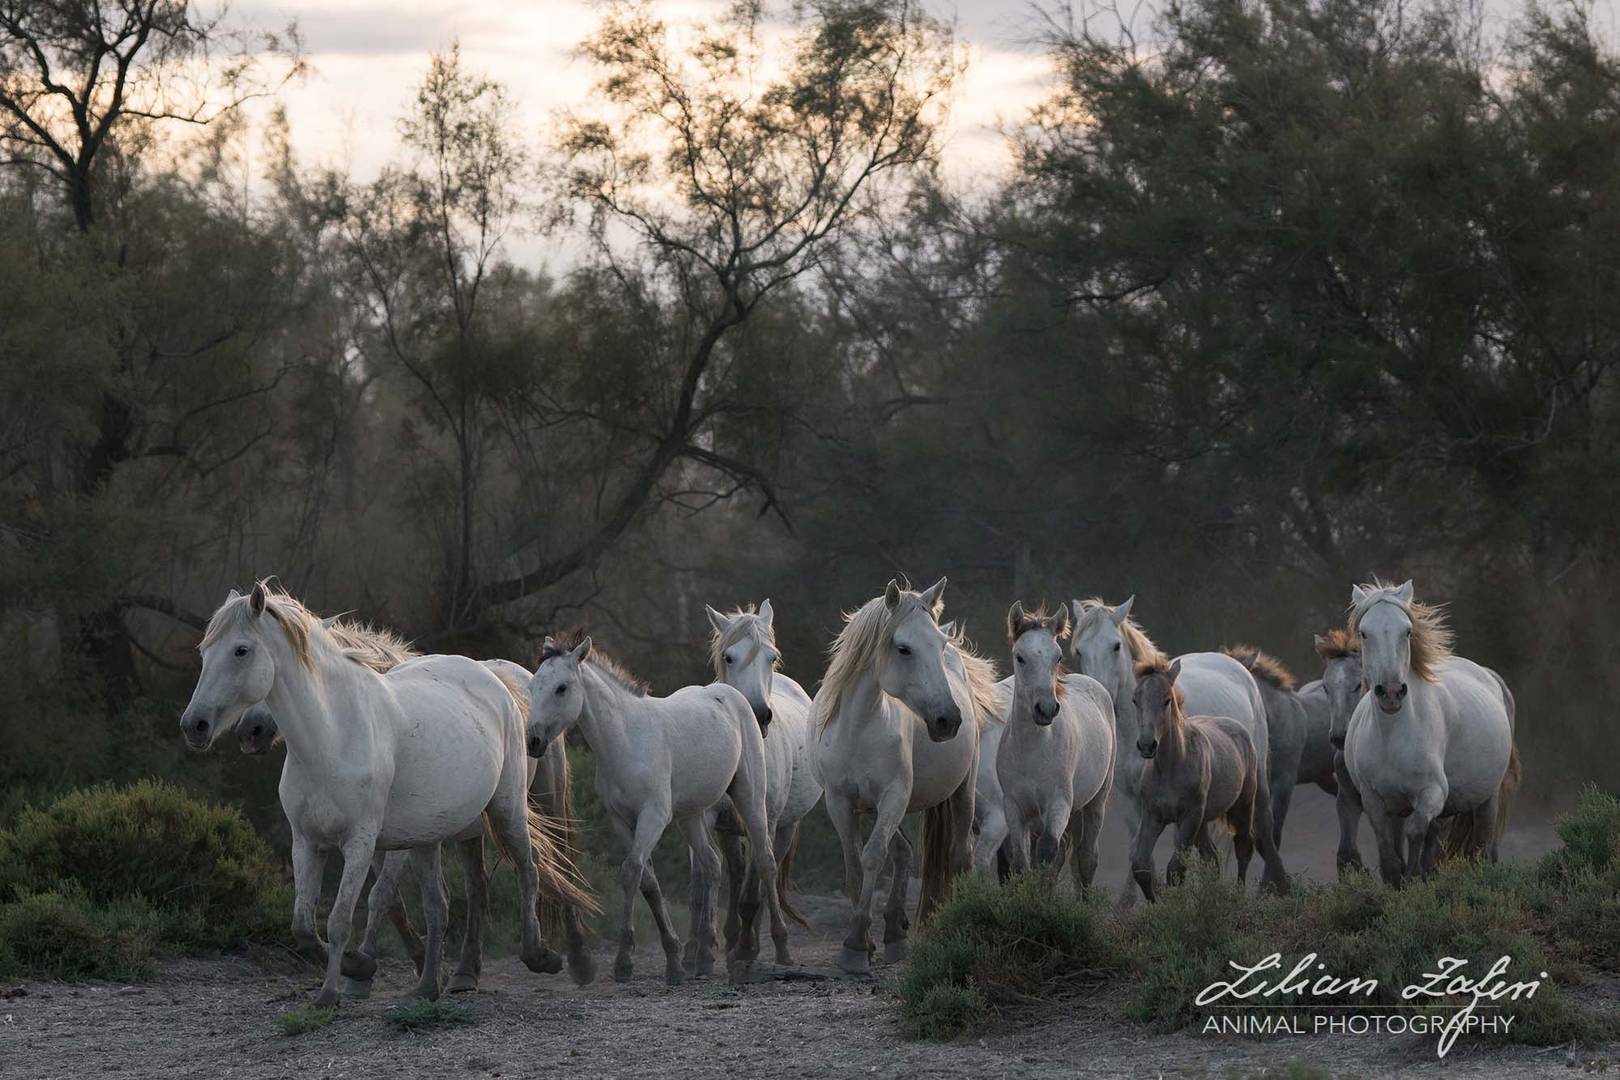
(306, 1018)
(428, 1014)
(200, 867)
(65, 935)
(990, 947)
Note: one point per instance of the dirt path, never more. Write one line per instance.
(217, 1019)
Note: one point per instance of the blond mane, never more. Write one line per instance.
(371, 646)
(570, 640)
(741, 623)
(1337, 643)
(1142, 648)
(1262, 665)
(297, 622)
(1431, 637)
(982, 677)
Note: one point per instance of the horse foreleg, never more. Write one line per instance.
(381, 904)
(654, 895)
(1133, 825)
(748, 796)
(705, 862)
(736, 862)
(1017, 845)
(357, 852)
(992, 828)
(786, 836)
(1391, 864)
(309, 868)
(853, 958)
(471, 964)
(1088, 837)
(1348, 804)
(1148, 828)
(639, 839)
(1188, 826)
(895, 922)
(1054, 832)
(1419, 823)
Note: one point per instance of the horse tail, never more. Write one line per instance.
(1511, 780)
(560, 880)
(784, 881)
(555, 795)
(938, 874)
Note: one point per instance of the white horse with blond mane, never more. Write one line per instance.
(1109, 646)
(660, 760)
(743, 653)
(400, 760)
(897, 722)
(1431, 739)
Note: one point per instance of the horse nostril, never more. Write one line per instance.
(202, 727)
(767, 714)
(1402, 691)
(1379, 691)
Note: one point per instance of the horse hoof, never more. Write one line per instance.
(326, 999)
(853, 962)
(673, 975)
(582, 968)
(895, 951)
(742, 972)
(357, 965)
(784, 958)
(461, 983)
(622, 970)
(543, 962)
(704, 967)
(426, 991)
(358, 989)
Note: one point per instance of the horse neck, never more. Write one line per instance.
(308, 704)
(1127, 724)
(602, 715)
(1021, 715)
(860, 706)
(1173, 748)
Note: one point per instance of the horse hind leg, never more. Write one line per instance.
(1347, 802)
(654, 895)
(705, 863)
(1087, 839)
(895, 922)
(783, 842)
(465, 978)
(508, 816)
(435, 913)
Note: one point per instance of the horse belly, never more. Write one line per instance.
(938, 769)
(447, 770)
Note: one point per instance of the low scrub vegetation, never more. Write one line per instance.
(429, 1014)
(989, 948)
(305, 1019)
(96, 883)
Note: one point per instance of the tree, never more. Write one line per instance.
(735, 180)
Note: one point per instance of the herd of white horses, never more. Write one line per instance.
(390, 753)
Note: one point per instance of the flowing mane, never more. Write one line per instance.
(1337, 643)
(369, 646)
(1141, 646)
(855, 648)
(744, 622)
(571, 638)
(295, 620)
(1431, 637)
(1262, 665)
(981, 680)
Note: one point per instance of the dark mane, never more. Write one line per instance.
(1262, 665)
(1153, 665)
(570, 639)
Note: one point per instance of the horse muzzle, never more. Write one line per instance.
(198, 729)
(1148, 749)
(537, 746)
(1390, 701)
(1337, 740)
(944, 727)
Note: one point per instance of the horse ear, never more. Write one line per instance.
(581, 651)
(232, 595)
(716, 620)
(1357, 595)
(330, 621)
(1015, 616)
(1175, 669)
(934, 595)
(1320, 644)
(766, 615)
(1059, 623)
(1123, 612)
(258, 598)
(1404, 593)
(891, 595)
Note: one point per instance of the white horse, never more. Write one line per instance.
(400, 760)
(897, 723)
(743, 653)
(1297, 721)
(1055, 763)
(1433, 738)
(660, 760)
(1108, 645)
(1340, 690)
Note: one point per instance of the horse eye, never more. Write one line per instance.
(1018, 658)
(905, 650)
(561, 690)
(241, 650)
(1116, 646)
(729, 659)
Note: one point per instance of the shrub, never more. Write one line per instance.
(990, 947)
(200, 867)
(65, 935)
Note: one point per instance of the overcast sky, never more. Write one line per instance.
(367, 57)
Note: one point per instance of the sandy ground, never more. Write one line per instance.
(216, 1018)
